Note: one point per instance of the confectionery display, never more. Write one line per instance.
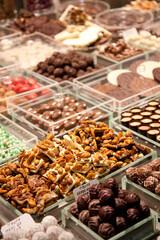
(47, 229)
(58, 114)
(29, 23)
(143, 5)
(74, 74)
(66, 66)
(81, 32)
(147, 176)
(9, 145)
(16, 85)
(144, 120)
(53, 168)
(124, 83)
(109, 212)
(145, 39)
(120, 50)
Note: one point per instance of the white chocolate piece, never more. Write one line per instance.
(49, 221)
(66, 236)
(40, 236)
(146, 68)
(112, 76)
(53, 232)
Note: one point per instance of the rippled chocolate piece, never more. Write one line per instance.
(144, 172)
(106, 230)
(145, 211)
(93, 223)
(133, 216)
(120, 206)
(132, 174)
(111, 184)
(94, 191)
(107, 214)
(94, 207)
(132, 199)
(82, 202)
(84, 216)
(106, 196)
(121, 223)
(150, 183)
(122, 193)
(74, 210)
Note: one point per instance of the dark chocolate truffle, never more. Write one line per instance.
(132, 199)
(120, 224)
(84, 216)
(106, 230)
(94, 207)
(93, 223)
(94, 190)
(145, 210)
(120, 206)
(82, 202)
(157, 189)
(106, 196)
(111, 184)
(132, 174)
(133, 216)
(74, 210)
(107, 214)
(122, 193)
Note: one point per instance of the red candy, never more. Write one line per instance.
(44, 91)
(31, 81)
(32, 96)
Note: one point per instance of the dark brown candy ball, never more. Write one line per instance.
(90, 61)
(84, 216)
(93, 223)
(106, 196)
(66, 61)
(58, 72)
(58, 62)
(74, 210)
(72, 72)
(145, 210)
(82, 202)
(132, 199)
(122, 193)
(82, 64)
(106, 230)
(111, 184)
(133, 216)
(94, 191)
(107, 214)
(120, 206)
(94, 207)
(132, 174)
(121, 224)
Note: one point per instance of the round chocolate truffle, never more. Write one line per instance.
(84, 216)
(132, 174)
(122, 193)
(144, 171)
(106, 196)
(145, 210)
(150, 183)
(133, 216)
(94, 207)
(132, 199)
(106, 230)
(111, 184)
(156, 174)
(107, 214)
(121, 224)
(157, 189)
(82, 202)
(155, 165)
(93, 223)
(120, 206)
(94, 191)
(74, 210)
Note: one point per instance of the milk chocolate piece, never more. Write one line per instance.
(157, 189)
(143, 129)
(121, 224)
(126, 114)
(155, 165)
(94, 223)
(106, 196)
(106, 230)
(74, 210)
(146, 121)
(84, 216)
(144, 171)
(122, 193)
(107, 214)
(82, 202)
(150, 183)
(134, 125)
(135, 110)
(137, 117)
(152, 133)
(94, 207)
(125, 121)
(111, 184)
(120, 206)
(157, 111)
(132, 200)
(155, 125)
(132, 174)
(145, 113)
(145, 210)
(153, 103)
(155, 117)
(94, 191)
(133, 216)
(150, 108)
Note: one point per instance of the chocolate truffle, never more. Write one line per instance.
(94, 207)
(107, 214)
(74, 210)
(156, 174)
(106, 196)
(93, 223)
(144, 171)
(132, 174)
(132, 199)
(157, 189)
(155, 165)
(150, 183)
(122, 193)
(84, 216)
(144, 210)
(120, 224)
(133, 216)
(106, 230)
(120, 206)
(82, 202)
(111, 184)
(94, 191)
